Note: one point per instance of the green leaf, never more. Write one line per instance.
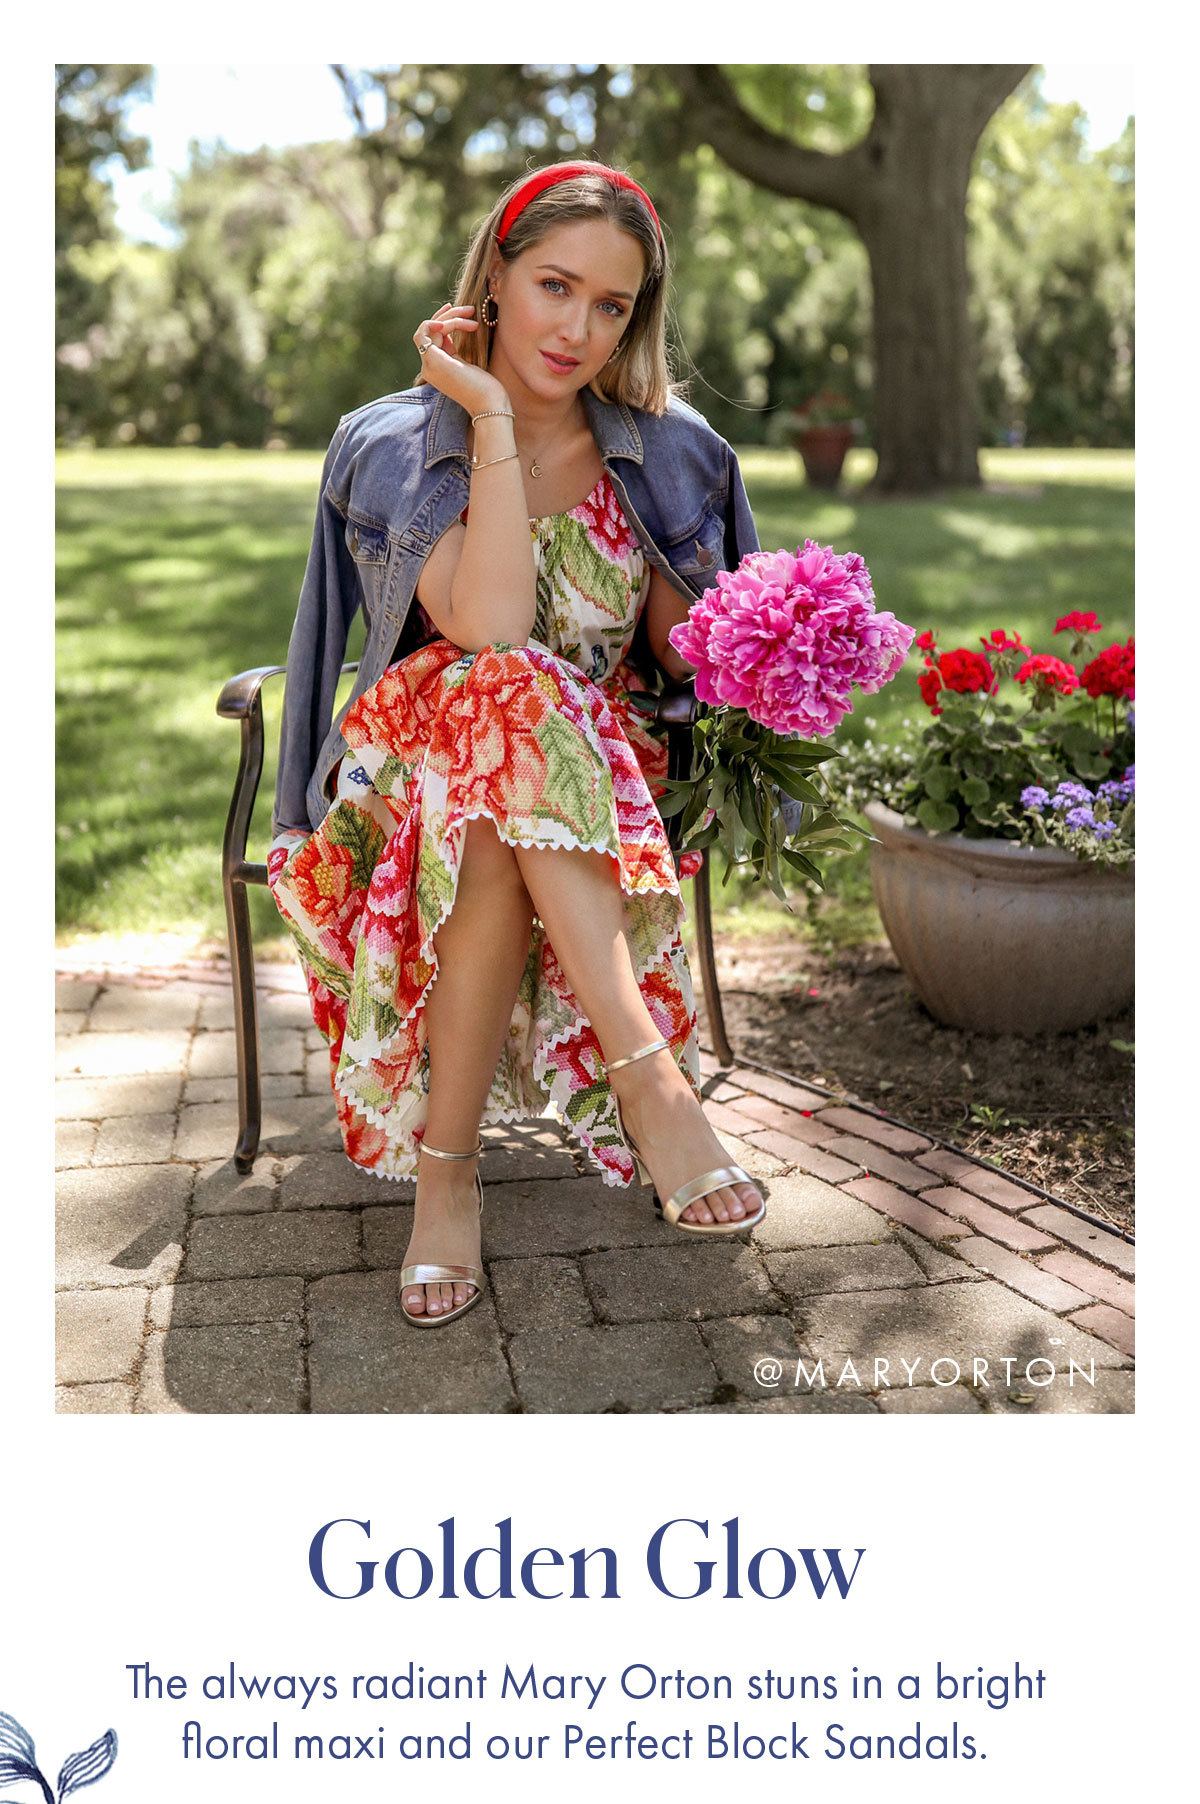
(974, 790)
(799, 862)
(1091, 764)
(940, 782)
(800, 753)
(794, 785)
(1047, 769)
(674, 800)
(937, 817)
(697, 803)
(748, 805)
(643, 700)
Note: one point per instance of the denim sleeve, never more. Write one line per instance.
(329, 601)
(741, 536)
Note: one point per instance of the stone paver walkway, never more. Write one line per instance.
(890, 1275)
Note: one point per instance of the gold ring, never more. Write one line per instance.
(426, 344)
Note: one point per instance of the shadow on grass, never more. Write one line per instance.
(167, 588)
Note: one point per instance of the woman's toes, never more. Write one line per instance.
(414, 1300)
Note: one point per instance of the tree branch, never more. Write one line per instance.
(716, 116)
(350, 96)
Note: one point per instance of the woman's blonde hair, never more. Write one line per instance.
(638, 374)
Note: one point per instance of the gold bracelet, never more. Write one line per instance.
(476, 465)
(495, 413)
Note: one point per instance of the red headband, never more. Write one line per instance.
(566, 172)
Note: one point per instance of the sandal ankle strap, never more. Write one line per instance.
(435, 1154)
(643, 1052)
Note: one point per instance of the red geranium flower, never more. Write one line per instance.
(1077, 623)
(929, 683)
(926, 641)
(966, 671)
(1049, 673)
(1000, 641)
(1111, 672)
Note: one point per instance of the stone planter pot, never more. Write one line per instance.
(823, 452)
(1002, 938)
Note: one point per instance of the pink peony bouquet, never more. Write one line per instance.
(778, 646)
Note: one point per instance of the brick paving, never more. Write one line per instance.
(891, 1276)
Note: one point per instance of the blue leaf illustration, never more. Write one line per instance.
(17, 1757)
(84, 1769)
(16, 1749)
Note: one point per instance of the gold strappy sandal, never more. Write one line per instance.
(444, 1274)
(695, 1188)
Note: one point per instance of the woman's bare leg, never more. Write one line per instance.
(577, 896)
(481, 947)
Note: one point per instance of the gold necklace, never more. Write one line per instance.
(535, 468)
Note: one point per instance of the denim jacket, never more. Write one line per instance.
(397, 475)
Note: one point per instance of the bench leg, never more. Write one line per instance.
(245, 1021)
(708, 965)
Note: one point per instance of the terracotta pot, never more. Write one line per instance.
(823, 450)
(1002, 938)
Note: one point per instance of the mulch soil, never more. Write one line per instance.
(1055, 1109)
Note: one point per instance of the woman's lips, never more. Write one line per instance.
(560, 365)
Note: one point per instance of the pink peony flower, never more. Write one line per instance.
(787, 637)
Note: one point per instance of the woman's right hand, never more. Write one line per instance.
(473, 388)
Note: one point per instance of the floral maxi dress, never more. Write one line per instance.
(543, 740)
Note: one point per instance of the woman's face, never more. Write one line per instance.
(564, 305)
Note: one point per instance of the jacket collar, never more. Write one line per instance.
(613, 428)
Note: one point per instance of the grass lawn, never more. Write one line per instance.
(178, 568)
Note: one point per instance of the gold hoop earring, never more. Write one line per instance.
(491, 312)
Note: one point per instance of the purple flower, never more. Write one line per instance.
(1034, 798)
(1066, 793)
(787, 637)
(1080, 817)
(1104, 829)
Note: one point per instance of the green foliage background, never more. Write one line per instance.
(298, 275)
(290, 294)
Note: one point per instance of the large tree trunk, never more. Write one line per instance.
(905, 187)
(912, 216)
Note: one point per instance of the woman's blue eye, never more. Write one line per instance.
(553, 284)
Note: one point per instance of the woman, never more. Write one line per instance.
(490, 823)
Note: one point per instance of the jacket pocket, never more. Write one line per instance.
(699, 553)
(366, 539)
